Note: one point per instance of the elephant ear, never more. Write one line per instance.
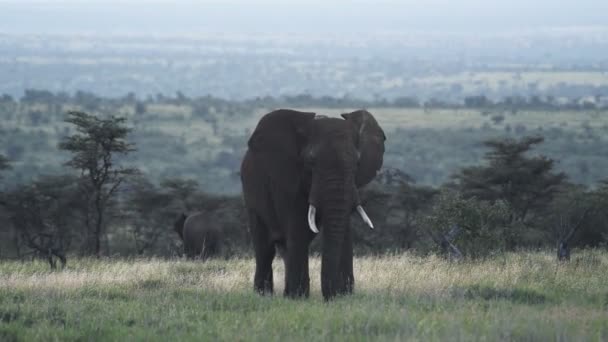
(370, 143)
(278, 142)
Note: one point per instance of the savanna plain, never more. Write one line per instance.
(524, 296)
(432, 133)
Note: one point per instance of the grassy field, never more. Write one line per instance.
(523, 296)
(495, 79)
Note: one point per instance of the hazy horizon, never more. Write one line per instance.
(336, 48)
(316, 17)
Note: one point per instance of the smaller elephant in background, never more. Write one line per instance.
(201, 240)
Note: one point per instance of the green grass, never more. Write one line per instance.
(524, 296)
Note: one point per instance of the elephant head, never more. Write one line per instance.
(341, 156)
(326, 160)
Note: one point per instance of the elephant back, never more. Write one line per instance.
(282, 133)
(201, 236)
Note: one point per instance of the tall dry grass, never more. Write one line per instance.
(517, 296)
(390, 274)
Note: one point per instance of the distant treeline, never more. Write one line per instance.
(210, 133)
(92, 102)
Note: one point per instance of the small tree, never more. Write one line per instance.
(43, 215)
(466, 226)
(567, 214)
(94, 148)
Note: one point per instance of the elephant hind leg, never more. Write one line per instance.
(263, 282)
(264, 255)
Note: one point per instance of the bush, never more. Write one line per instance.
(466, 226)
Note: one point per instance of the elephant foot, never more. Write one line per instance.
(343, 287)
(329, 294)
(264, 291)
(298, 294)
(347, 284)
(297, 291)
(265, 287)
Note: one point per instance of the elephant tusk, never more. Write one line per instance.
(365, 217)
(311, 219)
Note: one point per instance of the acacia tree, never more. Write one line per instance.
(94, 149)
(527, 184)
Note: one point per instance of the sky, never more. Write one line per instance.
(268, 16)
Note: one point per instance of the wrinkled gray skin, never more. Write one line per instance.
(296, 160)
(200, 240)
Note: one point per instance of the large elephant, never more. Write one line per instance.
(200, 239)
(301, 173)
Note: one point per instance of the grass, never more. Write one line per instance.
(523, 296)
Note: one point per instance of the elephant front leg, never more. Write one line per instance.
(264, 255)
(297, 281)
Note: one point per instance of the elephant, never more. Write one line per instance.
(300, 175)
(200, 239)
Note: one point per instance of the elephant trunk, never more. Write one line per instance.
(332, 245)
(336, 205)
